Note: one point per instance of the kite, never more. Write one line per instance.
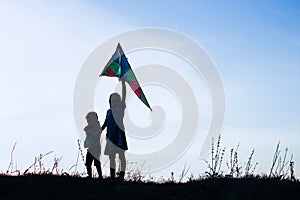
(118, 66)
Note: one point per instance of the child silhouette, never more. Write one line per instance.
(92, 142)
(116, 138)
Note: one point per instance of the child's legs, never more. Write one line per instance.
(97, 162)
(88, 163)
(122, 160)
(89, 159)
(112, 161)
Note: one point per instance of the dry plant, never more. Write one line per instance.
(292, 175)
(236, 169)
(249, 168)
(135, 173)
(75, 166)
(233, 164)
(11, 170)
(172, 178)
(280, 168)
(38, 165)
(55, 167)
(217, 155)
(183, 173)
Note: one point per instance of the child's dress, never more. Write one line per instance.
(116, 139)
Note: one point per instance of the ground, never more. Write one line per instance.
(65, 187)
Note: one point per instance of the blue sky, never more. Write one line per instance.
(255, 46)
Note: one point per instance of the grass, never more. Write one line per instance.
(68, 187)
(238, 182)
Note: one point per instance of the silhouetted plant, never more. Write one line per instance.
(135, 173)
(55, 167)
(192, 178)
(249, 168)
(75, 166)
(184, 172)
(217, 155)
(80, 150)
(292, 176)
(280, 168)
(172, 179)
(10, 170)
(233, 164)
(38, 166)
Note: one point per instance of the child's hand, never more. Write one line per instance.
(122, 78)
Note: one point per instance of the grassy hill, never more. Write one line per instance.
(65, 187)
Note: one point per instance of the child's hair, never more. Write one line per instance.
(91, 117)
(116, 97)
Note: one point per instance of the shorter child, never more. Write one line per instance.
(92, 142)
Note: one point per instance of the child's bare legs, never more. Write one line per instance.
(88, 163)
(112, 164)
(98, 167)
(123, 164)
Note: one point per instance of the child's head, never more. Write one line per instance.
(91, 117)
(114, 99)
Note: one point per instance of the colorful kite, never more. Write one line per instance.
(118, 66)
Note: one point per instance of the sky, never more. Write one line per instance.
(255, 46)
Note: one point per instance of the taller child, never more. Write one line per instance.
(116, 139)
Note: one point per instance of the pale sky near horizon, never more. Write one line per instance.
(255, 46)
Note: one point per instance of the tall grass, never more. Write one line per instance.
(281, 167)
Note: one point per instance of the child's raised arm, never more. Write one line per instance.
(123, 91)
